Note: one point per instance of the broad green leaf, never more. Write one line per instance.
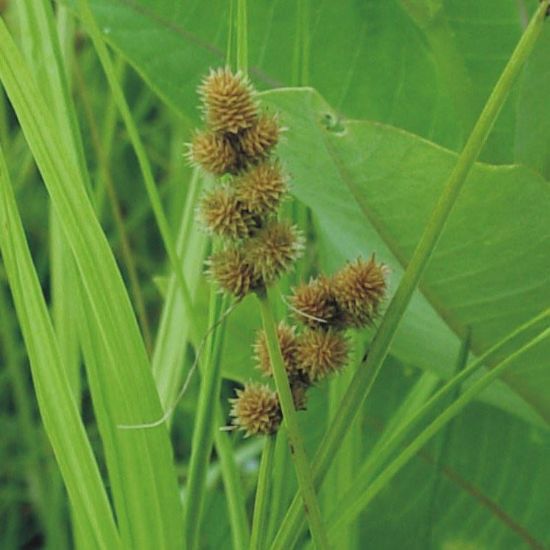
(532, 145)
(54, 394)
(372, 187)
(425, 66)
(149, 481)
(483, 481)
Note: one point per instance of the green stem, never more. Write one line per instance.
(297, 450)
(365, 497)
(236, 502)
(242, 37)
(203, 433)
(365, 376)
(261, 504)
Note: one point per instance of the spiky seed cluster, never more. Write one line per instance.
(229, 269)
(322, 352)
(213, 152)
(256, 410)
(261, 188)
(359, 289)
(256, 141)
(228, 101)
(221, 213)
(274, 250)
(315, 305)
(287, 343)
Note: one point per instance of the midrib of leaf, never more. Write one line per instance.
(445, 314)
(149, 482)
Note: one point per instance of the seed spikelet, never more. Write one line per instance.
(314, 303)
(321, 353)
(228, 102)
(274, 250)
(359, 289)
(231, 272)
(214, 153)
(261, 188)
(256, 410)
(223, 215)
(287, 342)
(256, 142)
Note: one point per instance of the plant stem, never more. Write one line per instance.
(242, 37)
(259, 521)
(203, 432)
(365, 376)
(365, 497)
(297, 450)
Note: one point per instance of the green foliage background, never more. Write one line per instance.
(378, 98)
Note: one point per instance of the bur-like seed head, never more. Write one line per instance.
(228, 102)
(256, 410)
(322, 352)
(359, 289)
(287, 342)
(229, 269)
(261, 188)
(274, 250)
(222, 214)
(257, 141)
(315, 305)
(214, 153)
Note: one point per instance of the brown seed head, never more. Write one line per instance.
(261, 188)
(359, 289)
(274, 250)
(228, 102)
(223, 214)
(257, 141)
(299, 394)
(287, 343)
(213, 152)
(231, 272)
(321, 352)
(256, 410)
(315, 304)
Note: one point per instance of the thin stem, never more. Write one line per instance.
(242, 37)
(261, 504)
(365, 376)
(236, 502)
(364, 498)
(203, 433)
(139, 149)
(297, 450)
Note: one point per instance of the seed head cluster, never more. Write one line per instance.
(237, 146)
(241, 209)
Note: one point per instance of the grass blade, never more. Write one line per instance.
(150, 496)
(55, 399)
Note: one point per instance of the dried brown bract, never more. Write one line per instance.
(256, 410)
(214, 153)
(287, 342)
(261, 188)
(228, 102)
(359, 289)
(321, 353)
